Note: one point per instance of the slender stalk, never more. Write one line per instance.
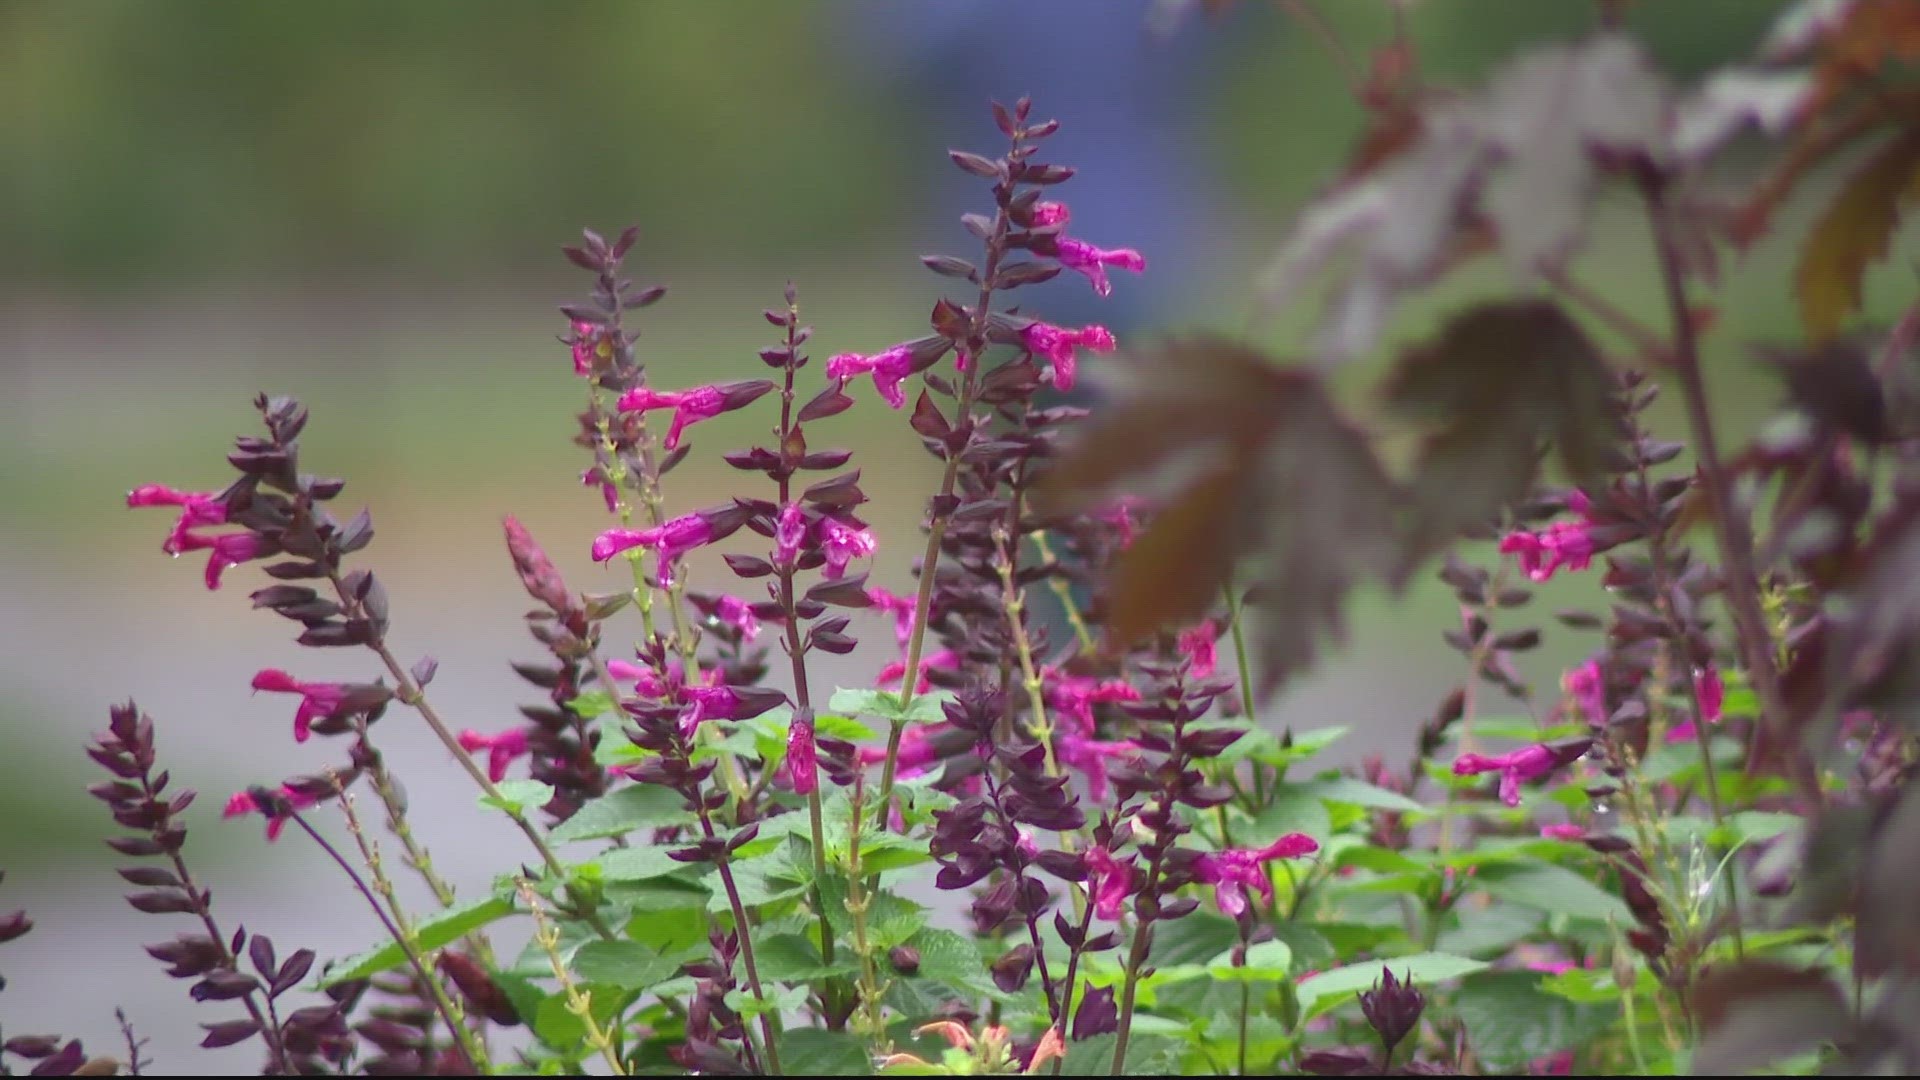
(1136, 960)
(1064, 590)
(724, 864)
(469, 1040)
(1246, 1005)
(1073, 973)
(400, 937)
(1318, 26)
(579, 1002)
(857, 904)
(1736, 544)
(1013, 600)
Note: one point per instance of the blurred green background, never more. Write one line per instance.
(361, 203)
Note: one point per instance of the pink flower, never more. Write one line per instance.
(790, 533)
(1588, 688)
(225, 551)
(1078, 255)
(1526, 763)
(1090, 756)
(647, 683)
(902, 608)
(703, 703)
(694, 405)
(889, 369)
(738, 614)
(502, 748)
(196, 508)
(243, 802)
(1109, 880)
(1074, 696)
(1057, 344)
(1558, 1063)
(1230, 872)
(586, 348)
(1196, 643)
(1709, 692)
(1562, 544)
(1566, 831)
(916, 749)
(843, 544)
(670, 541)
(318, 701)
(803, 766)
(1045, 215)
(1120, 516)
(608, 491)
(896, 671)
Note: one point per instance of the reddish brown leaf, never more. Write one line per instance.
(1853, 233)
(1172, 573)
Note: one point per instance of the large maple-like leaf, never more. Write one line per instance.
(1252, 465)
(1498, 382)
(1853, 233)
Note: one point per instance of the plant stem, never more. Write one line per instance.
(579, 1003)
(1063, 589)
(400, 937)
(450, 1010)
(857, 904)
(1073, 972)
(1736, 545)
(1136, 959)
(724, 864)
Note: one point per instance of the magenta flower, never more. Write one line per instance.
(1526, 763)
(1089, 756)
(1120, 517)
(889, 369)
(916, 749)
(803, 765)
(902, 608)
(790, 533)
(196, 508)
(1080, 256)
(647, 684)
(669, 541)
(318, 701)
(608, 491)
(1046, 215)
(738, 614)
(586, 348)
(1110, 881)
(1057, 344)
(1230, 872)
(1196, 643)
(223, 552)
(843, 544)
(693, 405)
(1565, 831)
(1074, 696)
(896, 671)
(703, 703)
(1709, 692)
(243, 802)
(1562, 544)
(502, 748)
(1588, 688)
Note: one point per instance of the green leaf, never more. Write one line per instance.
(792, 958)
(885, 704)
(814, 1052)
(952, 960)
(1147, 1055)
(517, 795)
(1331, 989)
(843, 727)
(1293, 809)
(591, 704)
(1511, 1022)
(1196, 939)
(1346, 789)
(629, 965)
(557, 1026)
(743, 1002)
(637, 864)
(1269, 961)
(1553, 889)
(1305, 745)
(636, 806)
(435, 931)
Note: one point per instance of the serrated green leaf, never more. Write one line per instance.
(1269, 961)
(1511, 1022)
(948, 958)
(743, 1002)
(1331, 989)
(433, 932)
(636, 806)
(843, 727)
(886, 705)
(1147, 1055)
(637, 864)
(516, 796)
(792, 958)
(1293, 809)
(1346, 789)
(626, 964)
(814, 1052)
(1196, 939)
(593, 703)
(1553, 889)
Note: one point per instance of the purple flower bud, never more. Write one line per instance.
(1393, 1008)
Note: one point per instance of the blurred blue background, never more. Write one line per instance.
(361, 203)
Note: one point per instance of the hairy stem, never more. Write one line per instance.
(579, 1002)
(857, 903)
(1063, 589)
(724, 864)
(1136, 960)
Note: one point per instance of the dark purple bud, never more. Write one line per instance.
(1393, 1007)
(905, 959)
(1097, 1014)
(1011, 971)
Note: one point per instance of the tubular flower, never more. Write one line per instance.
(1045, 215)
(1197, 644)
(502, 748)
(702, 703)
(1232, 870)
(589, 345)
(1058, 345)
(1090, 756)
(1084, 258)
(1526, 763)
(889, 368)
(843, 544)
(196, 508)
(902, 609)
(647, 684)
(1074, 696)
(896, 671)
(276, 809)
(223, 552)
(1588, 688)
(738, 614)
(1565, 831)
(789, 534)
(669, 541)
(1120, 517)
(318, 701)
(1562, 544)
(1710, 694)
(1110, 880)
(803, 764)
(916, 750)
(693, 405)
(609, 492)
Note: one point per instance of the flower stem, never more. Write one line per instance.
(1136, 960)
(579, 1002)
(1064, 590)
(1073, 972)
(857, 903)
(724, 864)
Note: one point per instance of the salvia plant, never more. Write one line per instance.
(1696, 850)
